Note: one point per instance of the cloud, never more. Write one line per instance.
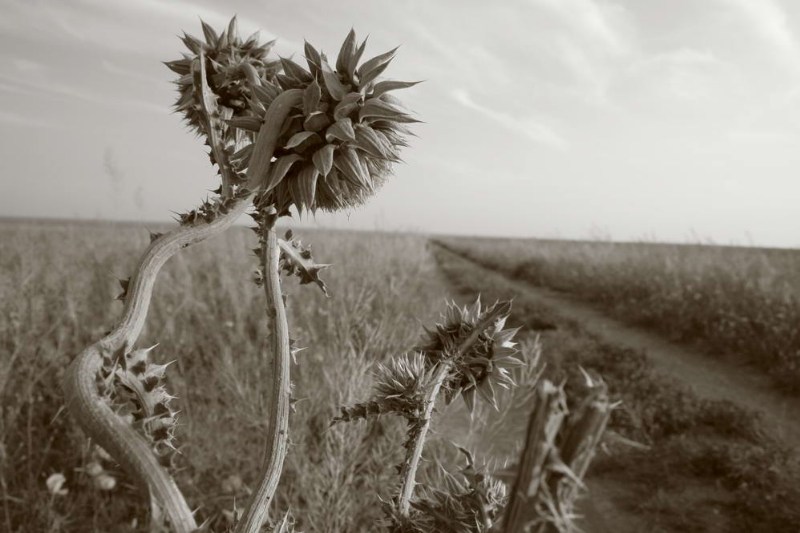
(769, 20)
(527, 126)
(182, 10)
(18, 120)
(77, 93)
(599, 25)
(117, 70)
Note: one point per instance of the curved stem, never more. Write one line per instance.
(93, 413)
(278, 405)
(86, 405)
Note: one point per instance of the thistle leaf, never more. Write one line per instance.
(304, 187)
(352, 63)
(209, 33)
(369, 141)
(346, 51)
(391, 85)
(323, 159)
(374, 67)
(179, 66)
(348, 164)
(311, 98)
(233, 29)
(299, 138)
(192, 43)
(342, 129)
(294, 70)
(316, 121)
(378, 109)
(279, 170)
(297, 259)
(312, 58)
(351, 102)
(332, 82)
(265, 93)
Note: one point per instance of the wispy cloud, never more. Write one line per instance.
(769, 20)
(530, 127)
(183, 11)
(19, 120)
(592, 23)
(77, 93)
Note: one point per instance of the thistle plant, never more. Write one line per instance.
(471, 354)
(281, 136)
(285, 137)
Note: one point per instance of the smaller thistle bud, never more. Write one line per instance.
(233, 66)
(486, 362)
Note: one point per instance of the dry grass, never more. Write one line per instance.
(57, 294)
(737, 302)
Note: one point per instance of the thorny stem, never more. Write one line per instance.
(91, 411)
(423, 423)
(278, 406)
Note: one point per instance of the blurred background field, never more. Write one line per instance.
(738, 303)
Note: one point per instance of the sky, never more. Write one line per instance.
(629, 119)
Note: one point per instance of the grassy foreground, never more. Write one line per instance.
(57, 290)
(708, 465)
(742, 303)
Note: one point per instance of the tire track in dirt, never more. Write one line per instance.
(708, 376)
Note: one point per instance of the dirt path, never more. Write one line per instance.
(709, 376)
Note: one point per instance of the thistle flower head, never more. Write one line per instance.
(402, 376)
(481, 364)
(339, 143)
(231, 66)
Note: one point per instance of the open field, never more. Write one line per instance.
(709, 465)
(740, 304)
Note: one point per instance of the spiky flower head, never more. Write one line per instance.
(404, 375)
(339, 142)
(338, 145)
(232, 65)
(399, 389)
(483, 363)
